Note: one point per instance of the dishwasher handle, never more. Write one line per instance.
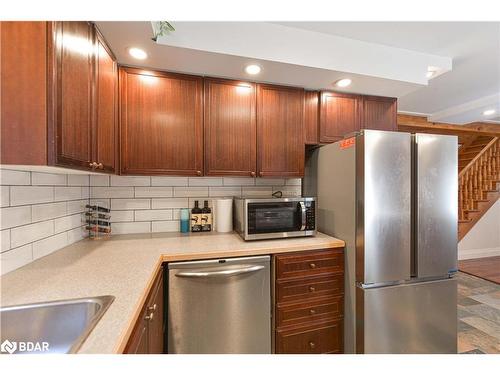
(221, 273)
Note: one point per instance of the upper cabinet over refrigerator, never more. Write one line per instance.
(436, 205)
(383, 186)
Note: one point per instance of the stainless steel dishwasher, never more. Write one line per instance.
(220, 306)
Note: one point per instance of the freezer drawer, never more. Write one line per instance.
(220, 306)
(409, 318)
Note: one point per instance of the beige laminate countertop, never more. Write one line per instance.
(124, 266)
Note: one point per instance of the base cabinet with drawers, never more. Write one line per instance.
(309, 302)
(148, 334)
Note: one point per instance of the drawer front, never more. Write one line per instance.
(309, 263)
(313, 339)
(311, 287)
(322, 309)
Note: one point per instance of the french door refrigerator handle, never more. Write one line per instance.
(220, 273)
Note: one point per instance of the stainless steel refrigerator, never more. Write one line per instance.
(393, 198)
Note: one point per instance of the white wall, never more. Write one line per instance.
(483, 240)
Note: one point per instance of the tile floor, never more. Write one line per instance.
(478, 315)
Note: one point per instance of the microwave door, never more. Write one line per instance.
(279, 217)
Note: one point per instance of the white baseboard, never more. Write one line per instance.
(478, 253)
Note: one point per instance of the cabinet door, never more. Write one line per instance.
(23, 86)
(139, 340)
(155, 320)
(230, 128)
(339, 115)
(106, 106)
(311, 117)
(280, 131)
(161, 123)
(71, 50)
(379, 113)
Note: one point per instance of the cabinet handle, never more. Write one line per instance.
(149, 317)
(260, 174)
(312, 345)
(312, 311)
(92, 165)
(312, 265)
(152, 308)
(252, 174)
(198, 173)
(312, 289)
(100, 165)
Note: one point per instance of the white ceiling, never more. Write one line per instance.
(382, 58)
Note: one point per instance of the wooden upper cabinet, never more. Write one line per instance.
(23, 86)
(339, 115)
(311, 117)
(71, 62)
(379, 113)
(230, 128)
(106, 124)
(280, 131)
(161, 123)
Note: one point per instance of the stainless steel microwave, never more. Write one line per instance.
(264, 218)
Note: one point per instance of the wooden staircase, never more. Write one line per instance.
(478, 180)
(478, 164)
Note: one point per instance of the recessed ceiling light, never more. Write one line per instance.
(137, 53)
(252, 69)
(489, 112)
(343, 82)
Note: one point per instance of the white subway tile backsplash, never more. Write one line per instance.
(165, 226)
(74, 207)
(5, 240)
(77, 234)
(48, 179)
(293, 181)
(226, 191)
(22, 195)
(269, 181)
(130, 204)
(205, 181)
(190, 191)
(134, 227)
(130, 181)
(158, 203)
(112, 192)
(155, 191)
(10, 177)
(120, 216)
(85, 192)
(30, 233)
(15, 258)
(49, 245)
(67, 193)
(66, 223)
(257, 191)
(153, 215)
(5, 196)
(96, 180)
(48, 211)
(78, 180)
(239, 181)
(169, 181)
(15, 216)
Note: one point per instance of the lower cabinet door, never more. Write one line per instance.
(139, 341)
(321, 338)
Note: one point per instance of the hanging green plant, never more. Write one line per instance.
(161, 28)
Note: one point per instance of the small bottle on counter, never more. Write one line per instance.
(196, 218)
(184, 220)
(206, 218)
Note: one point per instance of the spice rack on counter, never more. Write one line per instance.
(98, 221)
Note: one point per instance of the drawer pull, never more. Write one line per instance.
(312, 311)
(312, 345)
(149, 317)
(312, 289)
(152, 308)
(312, 265)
